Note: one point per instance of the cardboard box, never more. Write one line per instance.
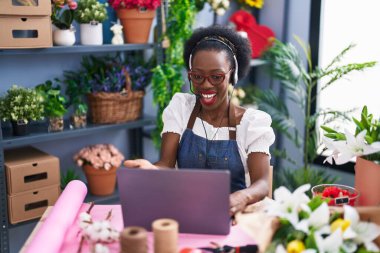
(25, 32)
(14, 7)
(29, 169)
(31, 204)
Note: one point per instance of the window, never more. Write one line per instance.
(344, 22)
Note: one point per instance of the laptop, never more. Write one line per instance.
(197, 199)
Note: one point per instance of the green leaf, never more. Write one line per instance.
(328, 129)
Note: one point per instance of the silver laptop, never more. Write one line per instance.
(197, 199)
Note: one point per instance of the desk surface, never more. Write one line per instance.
(249, 230)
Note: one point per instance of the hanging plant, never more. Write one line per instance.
(167, 77)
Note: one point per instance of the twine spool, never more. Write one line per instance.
(165, 232)
(134, 240)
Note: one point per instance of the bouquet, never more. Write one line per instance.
(365, 142)
(100, 156)
(63, 13)
(133, 4)
(90, 12)
(307, 226)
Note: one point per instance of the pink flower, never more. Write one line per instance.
(131, 4)
(100, 156)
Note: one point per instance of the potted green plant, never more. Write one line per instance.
(90, 14)
(21, 105)
(62, 17)
(76, 89)
(364, 144)
(54, 104)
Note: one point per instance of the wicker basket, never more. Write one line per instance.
(116, 107)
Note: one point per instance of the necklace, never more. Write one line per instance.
(204, 128)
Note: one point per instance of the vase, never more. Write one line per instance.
(64, 37)
(20, 127)
(136, 24)
(56, 124)
(91, 34)
(367, 178)
(79, 121)
(101, 182)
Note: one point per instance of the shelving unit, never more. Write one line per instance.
(39, 133)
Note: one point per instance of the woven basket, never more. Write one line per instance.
(116, 107)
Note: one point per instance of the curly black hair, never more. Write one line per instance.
(240, 45)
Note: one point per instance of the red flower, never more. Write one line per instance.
(334, 192)
(131, 4)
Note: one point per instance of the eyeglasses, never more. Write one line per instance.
(215, 79)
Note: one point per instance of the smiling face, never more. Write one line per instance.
(213, 65)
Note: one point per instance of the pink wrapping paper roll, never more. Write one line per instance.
(51, 234)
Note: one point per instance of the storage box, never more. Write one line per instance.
(29, 169)
(14, 7)
(31, 204)
(25, 32)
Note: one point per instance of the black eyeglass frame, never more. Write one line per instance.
(204, 77)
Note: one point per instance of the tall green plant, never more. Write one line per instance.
(167, 77)
(285, 64)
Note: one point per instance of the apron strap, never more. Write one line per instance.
(232, 121)
(194, 114)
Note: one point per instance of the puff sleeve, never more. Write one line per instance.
(257, 134)
(177, 113)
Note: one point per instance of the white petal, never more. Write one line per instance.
(371, 246)
(320, 216)
(280, 249)
(281, 194)
(351, 214)
(303, 225)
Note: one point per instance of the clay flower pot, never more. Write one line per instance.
(101, 182)
(136, 24)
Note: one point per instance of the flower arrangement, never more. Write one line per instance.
(131, 4)
(237, 94)
(141, 76)
(307, 226)
(97, 233)
(336, 195)
(219, 6)
(100, 156)
(21, 104)
(90, 11)
(63, 13)
(365, 142)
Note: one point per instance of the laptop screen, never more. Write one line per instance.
(197, 199)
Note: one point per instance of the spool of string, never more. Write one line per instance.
(134, 240)
(165, 232)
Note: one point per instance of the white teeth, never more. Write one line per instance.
(208, 95)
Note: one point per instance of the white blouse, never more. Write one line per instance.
(253, 134)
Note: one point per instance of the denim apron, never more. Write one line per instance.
(196, 152)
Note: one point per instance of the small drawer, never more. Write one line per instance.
(29, 169)
(32, 204)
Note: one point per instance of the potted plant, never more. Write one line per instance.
(364, 144)
(100, 163)
(54, 104)
(90, 14)
(76, 89)
(62, 17)
(136, 18)
(21, 105)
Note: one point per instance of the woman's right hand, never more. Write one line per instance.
(139, 163)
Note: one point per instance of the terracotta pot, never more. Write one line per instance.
(100, 182)
(136, 24)
(367, 178)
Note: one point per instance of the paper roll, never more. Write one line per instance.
(165, 232)
(134, 240)
(51, 234)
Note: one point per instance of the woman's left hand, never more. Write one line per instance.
(238, 202)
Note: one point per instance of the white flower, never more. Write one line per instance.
(331, 243)
(220, 11)
(318, 219)
(100, 248)
(359, 231)
(287, 204)
(344, 151)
